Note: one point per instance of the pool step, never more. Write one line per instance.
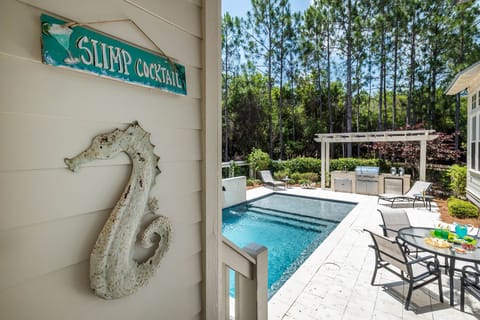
(307, 224)
(295, 215)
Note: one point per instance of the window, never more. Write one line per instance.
(473, 142)
(474, 132)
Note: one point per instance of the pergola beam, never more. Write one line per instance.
(378, 136)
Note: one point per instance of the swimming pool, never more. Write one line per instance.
(291, 227)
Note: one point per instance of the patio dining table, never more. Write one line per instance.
(415, 237)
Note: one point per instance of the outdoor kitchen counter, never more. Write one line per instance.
(393, 183)
(346, 181)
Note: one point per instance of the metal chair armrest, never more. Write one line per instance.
(421, 259)
(472, 274)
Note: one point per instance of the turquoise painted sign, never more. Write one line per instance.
(81, 48)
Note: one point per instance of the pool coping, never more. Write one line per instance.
(283, 299)
(267, 193)
(335, 281)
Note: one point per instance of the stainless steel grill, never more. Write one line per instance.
(367, 179)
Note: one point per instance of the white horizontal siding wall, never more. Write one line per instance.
(473, 174)
(51, 217)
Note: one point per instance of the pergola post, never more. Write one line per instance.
(423, 160)
(323, 160)
(327, 160)
(386, 136)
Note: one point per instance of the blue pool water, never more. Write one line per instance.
(291, 227)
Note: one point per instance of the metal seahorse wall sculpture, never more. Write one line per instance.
(114, 273)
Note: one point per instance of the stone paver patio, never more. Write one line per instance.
(334, 282)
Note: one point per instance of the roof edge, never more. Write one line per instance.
(456, 86)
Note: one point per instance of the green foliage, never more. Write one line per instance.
(253, 182)
(296, 177)
(349, 164)
(458, 179)
(282, 174)
(258, 160)
(294, 167)
(309, 176)
(302, 164)
(461, 208)
(284, 89)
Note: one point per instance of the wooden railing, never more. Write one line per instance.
(251, 281)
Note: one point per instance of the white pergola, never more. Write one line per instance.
(379, 136)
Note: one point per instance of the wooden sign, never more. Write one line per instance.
(81, 48)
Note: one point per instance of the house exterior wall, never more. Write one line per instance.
(50, 217)
(473, 147)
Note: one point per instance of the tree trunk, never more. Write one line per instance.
(380, 89)
(349, 77)
(225, 102)
(411, 82)
(329, 92)
(280, 106)
(270, 102)
(395, 68)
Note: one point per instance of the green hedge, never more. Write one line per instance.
(297, 177)
(349, 164)
(461, 208)
(305, 164)
(299, 165)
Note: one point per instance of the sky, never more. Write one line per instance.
(239, 8)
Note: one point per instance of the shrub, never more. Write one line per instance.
(458, 180)
(253, 182)
(461, 208)
(258, 160)
(279, 175)
(309, 176)
(306, 164)
(301, 165)
(349, 164)
(296, 177)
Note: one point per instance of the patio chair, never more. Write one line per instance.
(268, 180)
(418, 188)
(389, 254)
(470, 281)
(393, 219)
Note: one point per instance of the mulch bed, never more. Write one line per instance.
(447, 218)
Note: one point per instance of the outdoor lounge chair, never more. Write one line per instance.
(389, 254)
(470, 281)
(418, 188)
(267, 179)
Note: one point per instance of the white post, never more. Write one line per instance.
(211, 156)
(323, 159)
(327, 161)
(251, 296)
(225, 311)
(423, 159)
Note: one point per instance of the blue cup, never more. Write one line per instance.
(461, 230)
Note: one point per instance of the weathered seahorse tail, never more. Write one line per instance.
(162, 227)
(114, 273)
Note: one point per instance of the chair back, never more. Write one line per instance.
(394, 219)
(266, 176)
(390, 251)
(418, 188)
